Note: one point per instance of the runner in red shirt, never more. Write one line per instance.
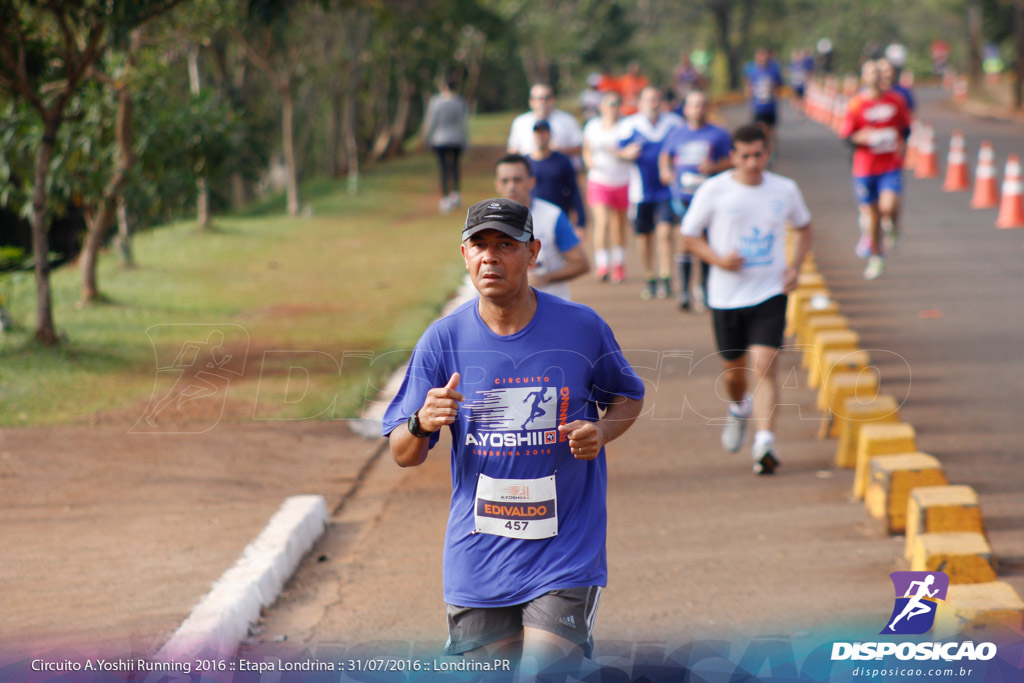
(876, 124)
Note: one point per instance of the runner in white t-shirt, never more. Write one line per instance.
(566, 136)
(745, 213)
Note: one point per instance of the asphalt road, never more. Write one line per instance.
(698, 546)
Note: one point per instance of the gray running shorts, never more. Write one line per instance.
(567, 612)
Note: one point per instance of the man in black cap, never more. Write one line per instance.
(519, 376)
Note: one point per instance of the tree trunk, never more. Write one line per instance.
(99, 220)
(381, 95)
(974, 40)
(474, 61)
(400, 127)
(357, 33)
(351, 143)
(90, 253)
(202, 192)
(288, 141)
(239, 192)
(333, 135)
(45, 330)
(124, 235)
(722, 11)
(1018, 34)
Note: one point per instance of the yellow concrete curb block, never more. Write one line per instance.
(823, 342)
(854, 414)
(796, 300)
(839, 362)
(819, 321)
(842, 384)
(880, 439)
(808, 310)
(892, 480)
(966, 557)
(979, 608)
(810, 281)
(935, 509)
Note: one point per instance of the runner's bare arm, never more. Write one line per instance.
(587, 438)
(792, 272)
(696, 245)
(665, 168)
(440, 408)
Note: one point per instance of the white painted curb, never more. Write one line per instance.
(222, 618)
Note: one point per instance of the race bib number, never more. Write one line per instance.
(517, 508)
(763, 89)
(884, 140)
(689, 182)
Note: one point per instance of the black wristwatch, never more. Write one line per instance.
(414, 426)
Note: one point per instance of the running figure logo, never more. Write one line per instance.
(916, 594)
(199, 375)
(514, 409)
(535, 409)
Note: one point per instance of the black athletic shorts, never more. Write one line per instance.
(766, 118)
(566, 612)
(737, 329)
(647, 215)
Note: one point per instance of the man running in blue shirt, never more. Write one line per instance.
(763, 81)
(524, 552)
(690, 155)
(640, 138)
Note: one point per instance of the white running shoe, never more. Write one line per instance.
(875, 268)
(699, 298)
(733, 432)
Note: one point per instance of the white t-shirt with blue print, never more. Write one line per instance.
(750, 220)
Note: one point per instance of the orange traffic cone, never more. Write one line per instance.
(956, 165)
(986, 194)
(927, 165)
(1011, 208)
(838, 113)
(910, 156)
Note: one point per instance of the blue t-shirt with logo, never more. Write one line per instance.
(561, 367)
(763, 81)
(688, 148)
(645, 182)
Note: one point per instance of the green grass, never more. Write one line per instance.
(363, 273)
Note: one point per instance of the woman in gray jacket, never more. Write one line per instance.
(446, 132)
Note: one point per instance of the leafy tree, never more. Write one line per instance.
(46, 52)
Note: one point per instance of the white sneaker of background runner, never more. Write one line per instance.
(875, 268)
(736, 425)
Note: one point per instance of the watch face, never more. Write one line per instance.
(414, 426)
